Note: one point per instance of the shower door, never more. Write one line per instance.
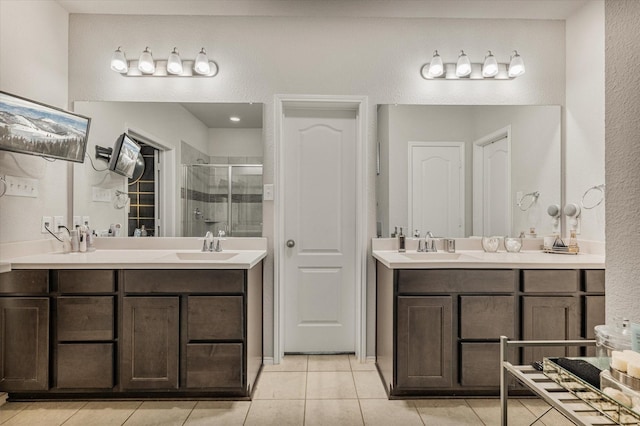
(222, 198)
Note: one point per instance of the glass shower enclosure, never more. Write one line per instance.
(225, 197)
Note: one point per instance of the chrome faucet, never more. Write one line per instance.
(430, 243)
(217, 245)
(207, 244)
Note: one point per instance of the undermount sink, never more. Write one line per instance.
(426, 256)
(205, 255)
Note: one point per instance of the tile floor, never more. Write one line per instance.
(303, 390)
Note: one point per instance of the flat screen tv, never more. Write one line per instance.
(30, 127)
(124, 156)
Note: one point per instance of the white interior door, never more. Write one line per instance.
(319, 228)
(496, 187)
(436, 188)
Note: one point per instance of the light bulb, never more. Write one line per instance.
(490, 66)
(145, 63)
(174, 63)
(463, 66)
(516, 66)
(435, 67)
(119, 62)
(201, 64)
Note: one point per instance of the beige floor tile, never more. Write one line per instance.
(489, 412)
(334, 412)
(103, 413)
(538, 407)
(10, 409)
(384, 412)
(356, 365)
(228, 413)
(161, 413)
(369, 384)
(330, 385)
(281, 385)
(276, 413)
(289, 363)
(447, 412)
(45, 413)
(329, 363)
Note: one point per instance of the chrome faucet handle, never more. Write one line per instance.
(217, 245)
(208, 241)
(421, 245)
(430, 243)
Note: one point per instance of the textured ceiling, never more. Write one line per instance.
(491, 9)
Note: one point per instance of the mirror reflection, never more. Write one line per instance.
(460, 171)
(202, 170)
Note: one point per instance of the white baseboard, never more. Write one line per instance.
(268, 360)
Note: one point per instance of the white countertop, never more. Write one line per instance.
(477, 259)
(147, 253)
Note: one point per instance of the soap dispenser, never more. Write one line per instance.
(401, 242)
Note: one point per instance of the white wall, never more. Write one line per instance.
(168, 124)
(34, 64)
(622, 159)
(585, 115)
(263, 56)
(225, 142)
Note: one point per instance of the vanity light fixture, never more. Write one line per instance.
(119, 61)
(516, 66)
(463, 66)
(174, 63)
(465, 69)
(490, 66)
(174, 66)
(436, 68)
(145, 63)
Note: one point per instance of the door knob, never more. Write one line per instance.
(291, 243)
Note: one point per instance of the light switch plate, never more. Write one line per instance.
(21, 186)
(77, 221)
(267, 194)
(102, 195)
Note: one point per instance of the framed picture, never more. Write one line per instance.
(30, 127)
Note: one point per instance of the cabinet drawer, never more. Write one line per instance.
(217, 365)
(215, 317)
(480, 364)
(85, 318)
(85, 366)
(594, 280)
(86, 281)
(24, 282)
(182, 281)
(487, 317)
(416, 281)
(550, 281)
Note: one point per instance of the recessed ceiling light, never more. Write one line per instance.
(234, 119)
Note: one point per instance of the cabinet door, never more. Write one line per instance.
(550, 318)
(424, 342)
(150, 343)
(594, 315)
(24, 343)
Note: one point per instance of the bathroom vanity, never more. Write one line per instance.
(155, 326)
(439, 317)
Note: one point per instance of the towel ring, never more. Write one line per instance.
(593, 188)
(534, 197)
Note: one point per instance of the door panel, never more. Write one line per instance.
(319, 192)
(437, 188)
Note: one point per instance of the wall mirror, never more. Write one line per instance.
(203, 169)
(460, 171)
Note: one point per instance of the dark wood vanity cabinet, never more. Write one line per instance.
(85, 329)
(130, 333)
(24, 321)
(438, 329)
